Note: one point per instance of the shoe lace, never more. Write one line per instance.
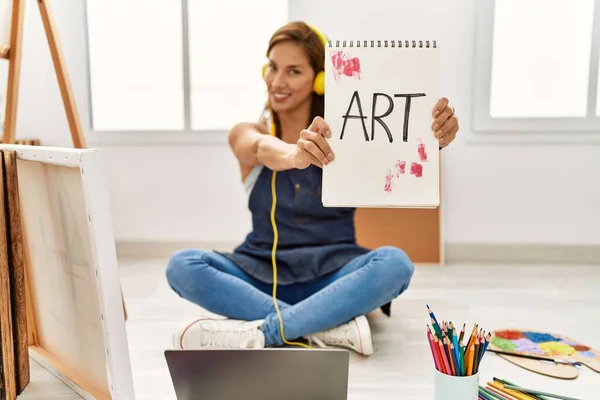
(233, 338)
(318, 341)
(335, 336)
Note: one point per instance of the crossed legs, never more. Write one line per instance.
(218, 285)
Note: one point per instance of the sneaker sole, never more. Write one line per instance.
(183, 332)
(364, 333)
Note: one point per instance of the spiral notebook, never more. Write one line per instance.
(379, 100)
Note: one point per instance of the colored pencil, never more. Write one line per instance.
(487, 342)
(488, 394)
(471, 354)
(431, 314)
(436, 329)
(440, 352)
(478, 351)
(500, 387)
(433, 354)
(471, 337)
(504, 382)
(456, 370)
(438, 356)
(500, 394)
(434, 322)
(539, 393)
(484, 343)
(457, 352)
(495, 396)
(444, 358)
(455, 360)
(463, 363)
(450, 354)
(466, 359)
(462, 333)
(519, 388)
(450, 357)
(475, 353)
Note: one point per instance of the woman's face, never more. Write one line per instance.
(289, 77)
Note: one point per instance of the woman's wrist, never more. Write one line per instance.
(289, 158)
(275, 153)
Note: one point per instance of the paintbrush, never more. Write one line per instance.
(534, 357)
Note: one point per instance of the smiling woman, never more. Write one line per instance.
(288, 76)
(296, 57)
(300, 252)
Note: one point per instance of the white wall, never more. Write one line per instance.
(492, 193)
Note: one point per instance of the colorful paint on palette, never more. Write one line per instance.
(509, 335)
(538, 337)
(539, 343)
(503, 344)
(557, 349)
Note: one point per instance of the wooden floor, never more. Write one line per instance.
(560, 299)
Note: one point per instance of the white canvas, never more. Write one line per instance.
(372, 168)
(72, 267)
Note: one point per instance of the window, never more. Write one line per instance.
(537, 66)
(135, 63)
(166, 65)
(228, 41)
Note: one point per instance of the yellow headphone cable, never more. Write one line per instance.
(274, 262)
(319, 88)
(274, 250)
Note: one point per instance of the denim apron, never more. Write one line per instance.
(312, 240)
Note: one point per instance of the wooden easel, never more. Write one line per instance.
(13, 53)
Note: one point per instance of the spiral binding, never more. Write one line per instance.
(384, 43)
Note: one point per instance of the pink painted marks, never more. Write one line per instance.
(421, 151)
(388, 182)
(400, 168)
(416, 169)
(344, 64)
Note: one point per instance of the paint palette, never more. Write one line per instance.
(548, 345)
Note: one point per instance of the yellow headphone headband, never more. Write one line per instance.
(321, 36)
(319, 82)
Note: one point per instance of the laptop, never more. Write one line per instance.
(259, 374)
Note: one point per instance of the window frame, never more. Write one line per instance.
(582, 128)
(163, 137)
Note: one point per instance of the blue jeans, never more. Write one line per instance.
(361, 286)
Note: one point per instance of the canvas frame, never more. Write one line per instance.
(102, 271)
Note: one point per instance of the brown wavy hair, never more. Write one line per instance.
(299, 32)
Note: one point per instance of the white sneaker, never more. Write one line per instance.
(207, 333)
(355, 335)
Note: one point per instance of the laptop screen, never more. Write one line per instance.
(259, 374)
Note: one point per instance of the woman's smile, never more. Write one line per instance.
(280, 96)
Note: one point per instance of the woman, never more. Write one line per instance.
(326, 283)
